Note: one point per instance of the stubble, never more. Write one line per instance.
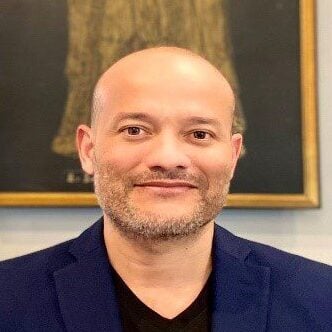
(114, 194)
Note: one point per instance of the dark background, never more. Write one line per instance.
(33, 87)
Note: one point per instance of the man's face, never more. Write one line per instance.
(163, 154)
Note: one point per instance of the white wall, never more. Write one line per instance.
(305, 232)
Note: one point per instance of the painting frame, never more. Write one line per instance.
(310, 196)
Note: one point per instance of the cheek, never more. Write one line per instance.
(215, 162)
(216, 167)
(120, 158)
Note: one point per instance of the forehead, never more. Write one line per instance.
(176, 90)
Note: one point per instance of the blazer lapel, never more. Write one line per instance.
(85, 288)
(241, 290)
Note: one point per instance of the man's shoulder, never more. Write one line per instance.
(283, 261)
(266, 255)
(300, 290)
(34, 268)
(56, 256)
(38, 259)
(29, 287)
(287, 270)
(291, 276)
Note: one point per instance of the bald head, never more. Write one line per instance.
(160, 66)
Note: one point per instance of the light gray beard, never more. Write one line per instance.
(133, 223)
(136, 224)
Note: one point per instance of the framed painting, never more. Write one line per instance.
(53, 52)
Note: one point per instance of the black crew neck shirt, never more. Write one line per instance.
(137, 317)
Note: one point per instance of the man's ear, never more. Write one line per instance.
(236, 150)
(84, 144)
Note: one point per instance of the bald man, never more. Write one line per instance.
(162, 152)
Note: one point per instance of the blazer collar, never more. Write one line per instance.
(240, 290)
(85, 288)
(88, 300)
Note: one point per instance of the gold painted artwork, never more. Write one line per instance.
(101, 32)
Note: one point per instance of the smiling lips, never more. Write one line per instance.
(167, 187)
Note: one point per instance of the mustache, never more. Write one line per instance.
(174, 174)
(108, 173)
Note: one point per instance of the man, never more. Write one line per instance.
(162, 153)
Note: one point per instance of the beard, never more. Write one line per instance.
(114, 191)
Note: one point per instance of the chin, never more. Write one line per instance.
(168, 208)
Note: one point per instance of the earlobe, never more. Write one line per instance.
(84, 144)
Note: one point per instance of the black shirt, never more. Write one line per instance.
(137, 317)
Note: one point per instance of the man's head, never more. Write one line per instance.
(161, 147)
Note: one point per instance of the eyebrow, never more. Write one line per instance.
(146, 117)
(203, 120)
(132, 115)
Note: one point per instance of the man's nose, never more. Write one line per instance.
(167, 152)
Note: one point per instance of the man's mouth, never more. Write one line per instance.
(167, 187)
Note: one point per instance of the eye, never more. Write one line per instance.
(201, 135)
(133, 131)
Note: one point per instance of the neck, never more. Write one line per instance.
(143, 261)
(180, 267)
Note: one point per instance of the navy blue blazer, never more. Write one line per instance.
(69, 287)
